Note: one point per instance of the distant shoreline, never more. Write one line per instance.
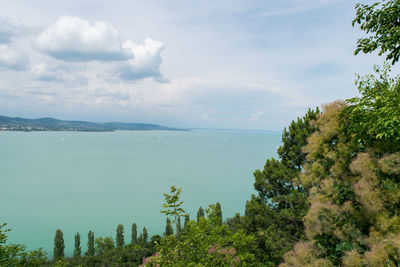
(51, 124)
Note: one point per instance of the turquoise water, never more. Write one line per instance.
(94, 181)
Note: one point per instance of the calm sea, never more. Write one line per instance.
(94, 181)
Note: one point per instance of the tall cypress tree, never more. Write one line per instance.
(168, 228)
(200, 213)
(145, 235)
(134, 234)
(187, 219)
(218, 212)
(59, 245)
(120, 236)
(77, 249)
(140, 239)
(178, 226)
(90, 251)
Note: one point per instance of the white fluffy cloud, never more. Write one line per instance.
(75, 39)
(11, 59)
(145, 63)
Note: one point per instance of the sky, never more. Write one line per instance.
(198, 64)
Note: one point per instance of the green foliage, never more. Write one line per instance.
(3, 235)
(120, 236)
(90, 251)
(103, 245)
(134, 234)
(145, 235)
(61, 263)
(178, 226)
(108, 254)
(214, 212)
(274, 216)
(187, 219)
(16, 255)
(168, 228)
(274, 183)
(295, 138)
(77, 247)
(155, 239)
(206, 243)
(375, 116)
(218, 212)
(59, 245)
(9, 253)
(121, 257)
(381, 21)
(173, 207)
(128, 256)
(200, 213)
(140, 239)
(173, 204)
(34, 258)
(353, 219)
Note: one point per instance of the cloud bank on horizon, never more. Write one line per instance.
(253, 65)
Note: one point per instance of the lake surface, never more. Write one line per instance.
(94, 181)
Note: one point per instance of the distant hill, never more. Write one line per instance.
(50, 124)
